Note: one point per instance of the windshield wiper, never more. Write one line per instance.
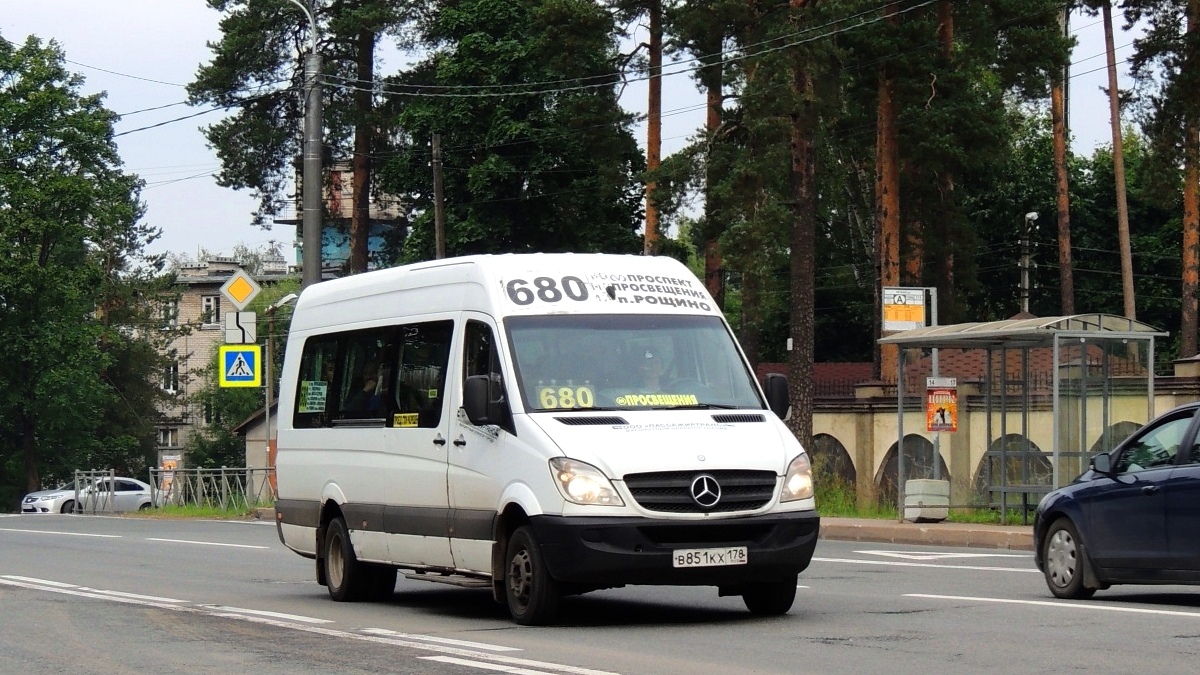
(579, 409)
(697, 406)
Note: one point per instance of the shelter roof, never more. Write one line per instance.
(1024, 332)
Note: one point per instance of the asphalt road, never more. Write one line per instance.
(87, 594)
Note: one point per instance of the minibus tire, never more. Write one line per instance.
(346, 578)
(532, 594)
(770, 598)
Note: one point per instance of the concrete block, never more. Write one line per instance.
(926, 500)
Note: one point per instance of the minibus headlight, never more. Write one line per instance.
(582, 483)
(797, 483)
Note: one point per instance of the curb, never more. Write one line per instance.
(1014, 537)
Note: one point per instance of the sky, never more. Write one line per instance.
(142, 53)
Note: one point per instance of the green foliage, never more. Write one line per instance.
(258, 70)
(73, 392)
(553, 170)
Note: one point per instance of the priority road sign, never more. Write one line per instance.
(240, 366)
(240, 289)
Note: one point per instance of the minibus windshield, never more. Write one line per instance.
(623, 362)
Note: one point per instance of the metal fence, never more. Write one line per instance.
(222, 488)
(95, 491)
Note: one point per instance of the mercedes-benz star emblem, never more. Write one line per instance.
(706, 491)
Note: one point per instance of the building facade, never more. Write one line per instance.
(195, 314)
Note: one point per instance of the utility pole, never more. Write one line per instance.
(1114, 109)
(313, 210)
(439, 210)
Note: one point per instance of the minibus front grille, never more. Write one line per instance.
(592, 421)
(734, 418)
(671, 491)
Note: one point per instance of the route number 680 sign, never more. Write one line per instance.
(551, 398)
(546, 289)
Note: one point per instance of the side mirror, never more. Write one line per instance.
(475, 399)
(778, 398)
(481, 407)
(1102, 463)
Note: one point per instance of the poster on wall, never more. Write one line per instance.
(941, 404)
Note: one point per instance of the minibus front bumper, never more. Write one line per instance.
(619, 551)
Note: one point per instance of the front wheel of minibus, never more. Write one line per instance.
(532, 594)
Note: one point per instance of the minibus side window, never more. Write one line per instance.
(421, 373)
(316, 383)
(366, 375)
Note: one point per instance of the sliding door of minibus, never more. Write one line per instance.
(416, 510)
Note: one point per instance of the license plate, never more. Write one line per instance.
(708, 557)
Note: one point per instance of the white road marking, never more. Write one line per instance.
(897, 563)
(69, 534)
(939, 555)
(265, 618)
(32, 580)
(205, 543)
(152, 598)
(448, 641)
(1059, 604)
(231, 611)
(486, 666)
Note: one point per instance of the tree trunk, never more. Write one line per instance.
(751, 334)
(714, 266)
(1114, 110)
(28, 435)
(944, 268)
(1058, 120)
(360, 219)
(654, 124)
(803, 243)
(1191, 212)
(1191, 239)
(887, 193)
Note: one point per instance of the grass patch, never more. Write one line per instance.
(232, 511)
(839, 499)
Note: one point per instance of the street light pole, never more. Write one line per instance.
(1026, 234)
(313, 210)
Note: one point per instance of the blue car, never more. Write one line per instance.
(1132, 518)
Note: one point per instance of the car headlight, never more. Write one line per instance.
(49, 498)
(797, 483)
(582, 483)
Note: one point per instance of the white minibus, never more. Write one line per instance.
(540, 425)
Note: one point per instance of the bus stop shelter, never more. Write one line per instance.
(1065, 380)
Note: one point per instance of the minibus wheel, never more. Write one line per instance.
(533, 595)
(346, 578)
(770, 598)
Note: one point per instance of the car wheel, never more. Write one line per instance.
(1065, 561)
(144, 507)
(346, 578)
(532, 594)
(68, 506)
(770, 598)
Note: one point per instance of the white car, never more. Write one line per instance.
(59, 500)
(105, 495)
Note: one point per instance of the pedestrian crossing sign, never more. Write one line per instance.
(241, 366)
